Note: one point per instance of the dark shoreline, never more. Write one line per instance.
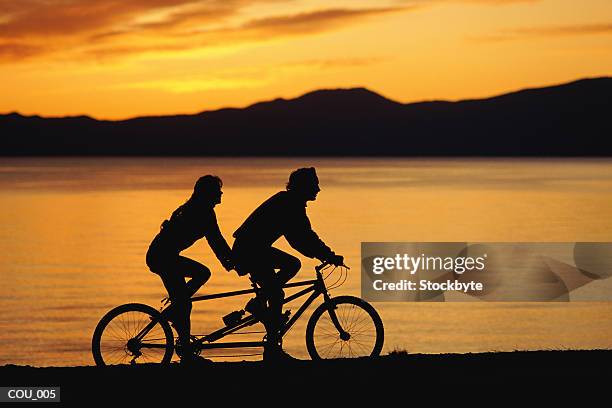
(244, 380)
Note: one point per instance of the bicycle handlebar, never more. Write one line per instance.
(325, 264)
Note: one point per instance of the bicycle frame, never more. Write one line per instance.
(316, 286)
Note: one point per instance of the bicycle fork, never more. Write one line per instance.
(331, 309)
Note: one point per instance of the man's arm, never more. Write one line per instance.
(301, 237)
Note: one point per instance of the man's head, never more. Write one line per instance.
(305, 183)
(208, 189)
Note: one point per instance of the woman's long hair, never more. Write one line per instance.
(201, 193)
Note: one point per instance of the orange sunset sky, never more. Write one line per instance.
(117, 59)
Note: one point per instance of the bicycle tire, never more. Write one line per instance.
(109, 344)
(358, 318)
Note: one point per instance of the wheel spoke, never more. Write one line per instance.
(356, 321)
(116, 342)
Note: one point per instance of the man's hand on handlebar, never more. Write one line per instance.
(336, 260)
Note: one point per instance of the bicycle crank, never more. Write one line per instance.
(133, 348)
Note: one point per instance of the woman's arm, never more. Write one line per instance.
(218, 243)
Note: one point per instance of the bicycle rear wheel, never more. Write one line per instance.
(116, 338)
(362, 330)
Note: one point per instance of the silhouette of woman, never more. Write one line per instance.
(191, 221)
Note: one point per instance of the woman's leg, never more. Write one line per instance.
(180, 292)
(198, 273)
(181, 306)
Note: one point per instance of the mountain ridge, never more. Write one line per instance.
(568, 120)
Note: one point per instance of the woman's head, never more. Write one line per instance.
(207, 190)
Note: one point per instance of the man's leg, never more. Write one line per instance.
(261, 263)
(288, 266)
(265, 278)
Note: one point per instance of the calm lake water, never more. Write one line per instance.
(73, 234)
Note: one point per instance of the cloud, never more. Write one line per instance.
(313, 21)
(255, 30)
(197, 85)
(578, 29)
(183, 18)
(337, 62)
(35, 19)
(548, 31)
(481, 2)
(78, 29)
(44, 27)
(11, 51)
(495, 2)
(246, 77)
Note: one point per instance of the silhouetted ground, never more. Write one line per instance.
(552, 374)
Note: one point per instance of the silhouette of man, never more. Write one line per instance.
(283, 214)
(191, 221)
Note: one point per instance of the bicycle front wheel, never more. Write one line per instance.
(132, 334)
(345, 327)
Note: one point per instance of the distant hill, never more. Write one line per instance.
(572, 119)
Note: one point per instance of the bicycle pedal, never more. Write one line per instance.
(255, 306)
(233, 318)
(210, 337)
